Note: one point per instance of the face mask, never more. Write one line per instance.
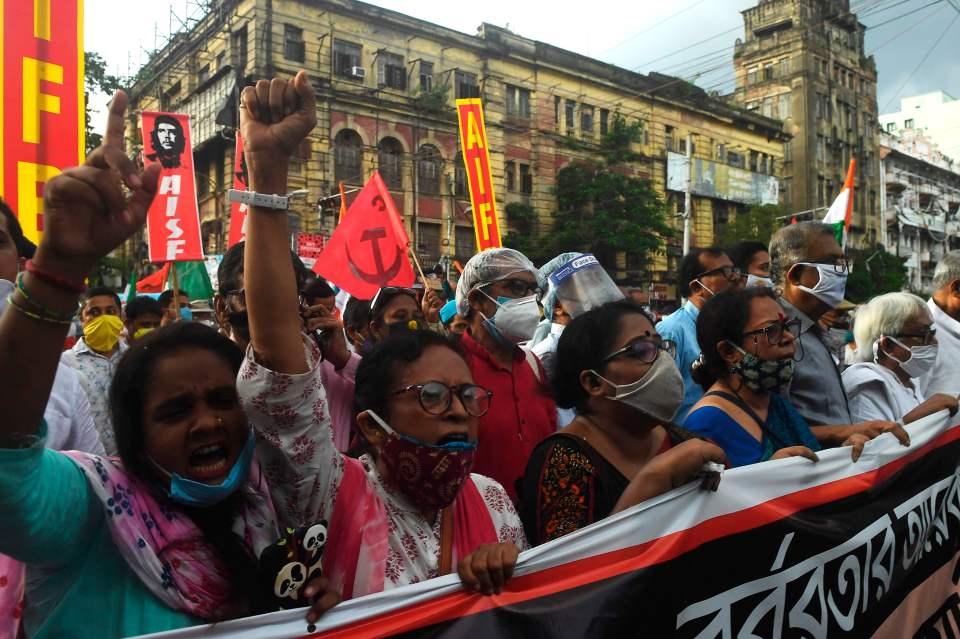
(921, 360)
(515, 320)
(759, 280)
(194, 493)
(186, 314)
(6, 288)
(140, 332)
(763, 375)
(399, 328)
(429, 475)
(831, 287)
(103, 333)
(657, 394)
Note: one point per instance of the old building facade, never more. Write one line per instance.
(386, 85)
(803, 61)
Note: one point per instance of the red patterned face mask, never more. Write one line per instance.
(429, 475)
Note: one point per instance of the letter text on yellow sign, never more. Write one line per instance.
(29, 206)
(34, 101)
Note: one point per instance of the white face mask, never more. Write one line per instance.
(758, 280)
(6, 288)
(657, 394)
(515, 319)
(921, 360)
(831, 287)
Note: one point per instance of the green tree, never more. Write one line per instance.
(96, 78)
(757, 223)
(875, 272)
(523, 235)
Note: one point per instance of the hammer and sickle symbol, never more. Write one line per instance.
(381, 276)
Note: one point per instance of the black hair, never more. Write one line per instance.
(583, 344)
(25, 248)
(723, 317)
(741, 253)
(128, 395)
(315, 287)
(380, 368)
(140, 306)
(356, 314)
(166, 297)
(98, 291)
(384, 299)
(230, 271)
(691, 266)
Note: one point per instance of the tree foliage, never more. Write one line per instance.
(875, 272)
(96, 78)
(758, 223)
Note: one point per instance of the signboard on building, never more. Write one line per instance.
(309, 247)
(41, 93)
(721, 181)
(476, 160)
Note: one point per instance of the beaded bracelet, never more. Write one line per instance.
(43, 310)
(34, 316)
(53, 279)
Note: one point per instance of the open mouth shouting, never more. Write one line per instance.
(209, 462)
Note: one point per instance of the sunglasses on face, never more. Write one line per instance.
(775, 332)
(519, 288)
(644, 350)
(436, 397)
(731, 273)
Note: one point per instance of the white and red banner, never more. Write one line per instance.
(173, 221)
(238, 210)
(309, 247)
(786, 548)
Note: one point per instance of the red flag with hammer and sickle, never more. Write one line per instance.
(368, 250)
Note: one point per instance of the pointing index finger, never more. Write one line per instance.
(115, 124)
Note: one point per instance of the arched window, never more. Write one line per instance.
(429, 167)
(348, 157)
(391, 163)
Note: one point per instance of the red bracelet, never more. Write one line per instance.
(53, 279)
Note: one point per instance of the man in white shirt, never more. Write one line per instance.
(945, 308)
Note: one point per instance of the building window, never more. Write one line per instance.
(751, 75)
(526, 179)
(346, 60)
(721, 153)
(570, 117)
(767, 108)
(668, 137)
(518, 101)
(460, 187)
(428, 241)
(721, 217)
(821, 148)
(220, 59)
(556, 113)
(391, 72)
(426, 76)
(768, 71)
(428, 170)
(510, 175)
(754, 161)
(293, 45)
(348, 157)
(586, 121)
(783, 108)
(466, 242)
(203, 74)
(788, 151)
(467, 86)
(908, 124)
(821, 197)
(753, 105)
(735, 159)
(238, 48)
(604, 121)
(891, 127)
(784, 67)
(390, 161)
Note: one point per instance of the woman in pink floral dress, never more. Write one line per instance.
(415, 510)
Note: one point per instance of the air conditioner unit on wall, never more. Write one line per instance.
(358, 72)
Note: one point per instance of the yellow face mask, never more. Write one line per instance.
(103, 333)
(140, 332)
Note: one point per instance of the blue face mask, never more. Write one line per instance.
(186, 314)
(491, 326)
(449, 446)
(200, 495)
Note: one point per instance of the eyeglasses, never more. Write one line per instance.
(775, 332)
(241, 294)
(436, 397)
(925, 336)
(840, 266)
(389, 292)
(645, 350)
(518, 287)
(731, 273)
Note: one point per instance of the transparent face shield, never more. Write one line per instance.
(583, 285)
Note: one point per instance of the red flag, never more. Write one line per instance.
(368, 249)
(154, 283)
(238, 211)
(793, 220)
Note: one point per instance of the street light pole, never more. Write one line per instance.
(688, 197)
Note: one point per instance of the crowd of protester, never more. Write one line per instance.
(152, 475)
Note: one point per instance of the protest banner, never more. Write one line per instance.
(783, 548)
(309, 247)
(476, 160)
(173, 221)
(41, 101)
(238, 210)
(368, 249)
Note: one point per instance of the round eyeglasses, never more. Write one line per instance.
(436, 397)
(645, 350)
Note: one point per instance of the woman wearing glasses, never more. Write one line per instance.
(898, 345)
(621, 448)
(746, 361)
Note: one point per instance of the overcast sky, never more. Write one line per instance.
(680, 37)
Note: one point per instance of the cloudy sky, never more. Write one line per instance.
(690, 38)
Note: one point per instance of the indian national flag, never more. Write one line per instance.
(842, 208)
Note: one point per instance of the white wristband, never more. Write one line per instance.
(251, 198)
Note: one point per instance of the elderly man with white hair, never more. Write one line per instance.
(944, 308)
(898, 345)
(498, 294)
